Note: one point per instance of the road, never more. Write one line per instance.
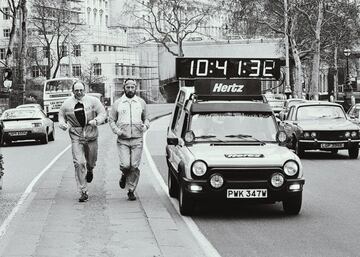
(328, 224)
(24, 161)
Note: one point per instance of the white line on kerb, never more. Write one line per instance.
(207, 247)
(27, 192)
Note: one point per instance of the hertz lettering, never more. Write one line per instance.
(234, 88)
(244, 155)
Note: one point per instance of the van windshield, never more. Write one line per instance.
(234, 126)
(59, 85)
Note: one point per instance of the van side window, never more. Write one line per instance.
(177, 114)
(185, 125)
(177, 125)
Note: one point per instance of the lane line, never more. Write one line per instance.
(206, 246)
(27, 192)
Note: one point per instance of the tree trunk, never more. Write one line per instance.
(11, 39)
(298, 70)
(20, 79)
(314, 84)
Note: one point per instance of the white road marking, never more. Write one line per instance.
(27, 192)
(207, 247)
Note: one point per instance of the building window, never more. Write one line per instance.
(133, 69)
(6, 14)
(94, 48)
(76, 70)
(65, 51)
(2, 53)
(97, 69)
(105, 48)
(36, 72)
(32, 52)
(64, 70)
(46, 52)
(6, 32)
(77, 50)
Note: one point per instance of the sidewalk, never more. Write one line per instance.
(52, 222)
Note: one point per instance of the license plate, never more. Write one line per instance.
(18, 133)
(331, 145)
(246, 193)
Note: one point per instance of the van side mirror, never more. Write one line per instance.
(172, 141)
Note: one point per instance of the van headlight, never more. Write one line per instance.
(199, 168)
(291, 168)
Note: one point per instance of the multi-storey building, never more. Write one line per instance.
(95, 49)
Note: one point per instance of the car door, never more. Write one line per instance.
(289, 123)
(173, 154)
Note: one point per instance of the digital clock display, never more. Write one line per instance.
(228, 68)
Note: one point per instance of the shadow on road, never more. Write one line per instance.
(236, 210)
(22, 143)
(323, 155)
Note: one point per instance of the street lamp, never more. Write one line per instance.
(347, 87)
(347, 53)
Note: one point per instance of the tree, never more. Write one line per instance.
(54, 22)
(17, 12)
(11, 12)
(88, 75)
(170, 22)
(314, 27)
(242, 17)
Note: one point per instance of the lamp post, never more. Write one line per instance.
(347, 53)
(347, 87)
(287, 89)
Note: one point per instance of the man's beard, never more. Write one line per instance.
(130, 94)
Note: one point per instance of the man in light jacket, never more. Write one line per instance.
(128, 119)
(81, 114)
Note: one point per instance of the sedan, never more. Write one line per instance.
(321, 126)
(25, 124)
(354, 114)
(287, 104)
(29, 106)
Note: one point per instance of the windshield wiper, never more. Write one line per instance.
(245, 136)
(207, 137)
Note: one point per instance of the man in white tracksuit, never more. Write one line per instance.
(82, 114)
(129, 119)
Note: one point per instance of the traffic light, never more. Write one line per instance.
(7, 78)
(7, 74)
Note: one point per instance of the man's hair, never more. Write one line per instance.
(78, 81)
(127, 80)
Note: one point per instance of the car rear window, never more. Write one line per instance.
(20, 114)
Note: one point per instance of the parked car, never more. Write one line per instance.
(276, 102)
(323, 126)
(354, 114)
(286, 106)
(27, 123)
(30, 106)
(1, 132)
